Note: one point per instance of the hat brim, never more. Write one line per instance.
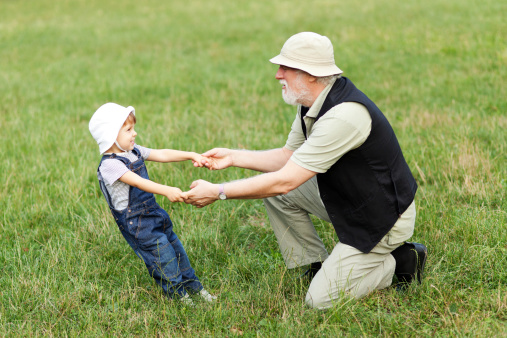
(312, 69)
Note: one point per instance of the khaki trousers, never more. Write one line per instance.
(347, 271)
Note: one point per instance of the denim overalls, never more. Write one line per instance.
(148, 229)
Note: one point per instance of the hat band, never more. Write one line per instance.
(310, 61)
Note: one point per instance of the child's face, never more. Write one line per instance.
(127, 136)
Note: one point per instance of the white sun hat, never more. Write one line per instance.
(106, 123)
(310, 52)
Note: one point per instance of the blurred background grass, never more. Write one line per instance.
(199, 77)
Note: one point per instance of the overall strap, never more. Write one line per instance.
(136, 152)
(125, 160)
(103, 188)
(102, 185)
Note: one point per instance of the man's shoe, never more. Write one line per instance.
(410, 261)
(312, 271)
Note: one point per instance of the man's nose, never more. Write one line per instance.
(279, 73)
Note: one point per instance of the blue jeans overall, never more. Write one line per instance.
(148, 229)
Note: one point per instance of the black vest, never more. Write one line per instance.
(368, 188)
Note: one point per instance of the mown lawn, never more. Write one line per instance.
(199, 77)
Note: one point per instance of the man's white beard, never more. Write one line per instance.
(294, 97)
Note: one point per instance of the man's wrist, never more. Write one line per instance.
(232, 155)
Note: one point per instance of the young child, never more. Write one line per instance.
(124, 181)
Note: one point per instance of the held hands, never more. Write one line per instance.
(174, 194)
(201, 194)
(217, 158)
(198, 160)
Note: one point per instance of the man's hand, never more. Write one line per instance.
(217, 158)
(201, 194)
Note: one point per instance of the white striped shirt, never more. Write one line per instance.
(112, 169)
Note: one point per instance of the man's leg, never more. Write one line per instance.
(348, 271)
(289, 216)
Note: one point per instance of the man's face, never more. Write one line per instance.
(294, 88)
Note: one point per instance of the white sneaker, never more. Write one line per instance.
(187, 300)
(207, 296)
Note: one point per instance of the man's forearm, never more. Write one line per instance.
(263, 161)
(270, 184)
(261, 186)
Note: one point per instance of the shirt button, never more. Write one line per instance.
(130, 222)
(130, 210)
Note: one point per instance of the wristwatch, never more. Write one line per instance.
(221, 193)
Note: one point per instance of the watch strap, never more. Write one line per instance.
(221, 193)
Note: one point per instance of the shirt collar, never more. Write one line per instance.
(315, 108)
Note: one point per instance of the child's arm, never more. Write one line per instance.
(170, 155)
(172, 193)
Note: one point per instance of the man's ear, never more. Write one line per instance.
(312, 78)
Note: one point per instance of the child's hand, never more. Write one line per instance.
(209, 162)
(174, 194)
(198, 160)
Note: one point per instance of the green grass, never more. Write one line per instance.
(199, 77)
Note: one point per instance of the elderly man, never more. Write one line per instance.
(342, 163)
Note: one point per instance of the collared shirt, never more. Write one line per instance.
(343, 128)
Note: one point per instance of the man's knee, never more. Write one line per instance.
(321, 292)
(316, 303)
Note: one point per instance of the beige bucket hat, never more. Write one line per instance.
(310, 52)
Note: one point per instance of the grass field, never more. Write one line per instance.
(198, 75)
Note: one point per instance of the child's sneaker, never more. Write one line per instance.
(187, 300)
(207, 296)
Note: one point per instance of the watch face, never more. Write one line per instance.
(222, 196)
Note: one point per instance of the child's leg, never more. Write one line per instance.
(188, 276)
(145, 236)
(162, 264)
(173, 265)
